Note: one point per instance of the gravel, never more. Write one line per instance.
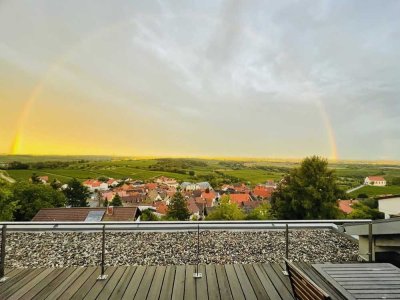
(64, 249)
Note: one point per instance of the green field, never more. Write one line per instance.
(373, 191)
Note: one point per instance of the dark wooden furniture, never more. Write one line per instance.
(303, 287)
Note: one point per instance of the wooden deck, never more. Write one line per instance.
(256, 281)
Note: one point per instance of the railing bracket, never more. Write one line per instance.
(102, 277)
(197, 275)
(3, 279)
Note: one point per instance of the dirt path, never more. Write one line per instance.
(6, 178)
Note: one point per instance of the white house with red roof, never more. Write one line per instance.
(95, 185)
(375, 181)
(112, 182)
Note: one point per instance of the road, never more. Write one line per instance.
(6, 178)
(355, 189)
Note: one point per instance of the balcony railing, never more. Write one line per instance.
(192, 226)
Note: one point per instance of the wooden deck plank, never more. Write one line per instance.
(35, 284)
(57, 292)
(84, 287)
(190, 283)
(112, 283)
(168, 283)
(258, 288)
(279, 268)
(10, 273)
(377, 296)
(99, 285)
(201, 284)
(179, 283)
(4, 286)
(223, 283)
(50, 287)
(147, 280)
(277, 282)
(134, 283)
(236, 289)
(266, 282)
(43, 283)
(158, 279)
(245, 282)
(19, 282)
(123, 284)
(78, 282)
(212, 283)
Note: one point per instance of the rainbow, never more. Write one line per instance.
(16, 146)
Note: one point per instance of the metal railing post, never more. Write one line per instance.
(197, 274)
(3, 253)
(370, 239)
(103, 250)
(285, 272)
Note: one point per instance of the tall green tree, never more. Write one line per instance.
(261, 212)
(366, 209)
(116, 201)
(177, 208)
(76, 194)
(33, 197)
(226, 211)
(308, 192)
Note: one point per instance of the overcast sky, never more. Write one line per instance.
(208, 78)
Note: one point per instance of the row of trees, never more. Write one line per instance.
(21, 201)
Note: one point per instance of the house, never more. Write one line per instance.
(346, 205)
(375, 181)
(389, 205)
(188, 186)
(248, 206)
(112, 182)
(95, 185)
(241, 188)
(86, 214)
(205, 186)
(151, 186)
(271, 184)
(209, 197)
(194, 209)
(161, 207)
(239, 198)
(171, 182)
(262, 192)
(44, 179)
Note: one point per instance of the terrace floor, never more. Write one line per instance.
(257, 281)
(252, 281)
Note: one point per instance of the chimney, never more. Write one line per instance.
(110, 210)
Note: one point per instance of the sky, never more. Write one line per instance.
(201, 78)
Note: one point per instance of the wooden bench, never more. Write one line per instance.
(303, 287)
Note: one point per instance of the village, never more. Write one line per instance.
(125, 200)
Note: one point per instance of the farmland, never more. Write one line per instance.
(216, 171)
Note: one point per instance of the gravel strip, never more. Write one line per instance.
(65, 249)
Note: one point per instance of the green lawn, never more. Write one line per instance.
(254, 176)
(376, 190)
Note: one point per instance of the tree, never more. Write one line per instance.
(177, 208)
(116, 201)
(192, 173)
(55, 184)
(33, 197)
(307, 192)
(362, 196)
(261, 212)
(7, 205)
(226, 211)
(35, 179)
(366, 209)
(76, 194)
(396, 181)
(148, 215)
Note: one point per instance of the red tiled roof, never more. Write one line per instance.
(193, 208)
(151, 186)
(161, 207)
(262, 191)
(239, 198)
(345, 205)
(79, 214)
(376, 178)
